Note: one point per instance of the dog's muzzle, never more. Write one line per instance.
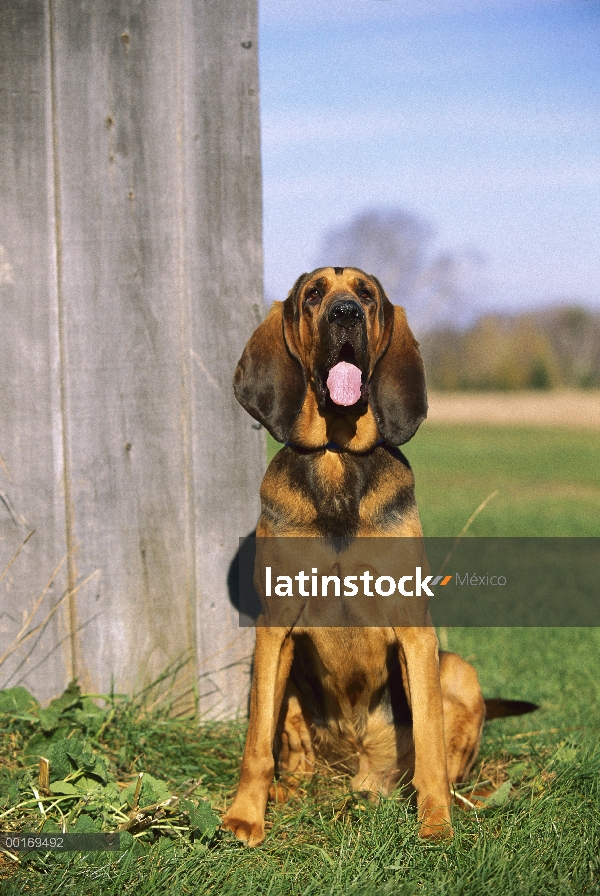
(342, 382)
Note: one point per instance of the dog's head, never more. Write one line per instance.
(336, 362)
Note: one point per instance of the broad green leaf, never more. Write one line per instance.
(70, 754)
(499, 797)
(40, 744)
(18, 700)
(88, 785)
(64, 788)
(9, 787)
(70, 698)
(85, 825)
(152, 791)
(49, 719)
(202, 817)
(60, 763)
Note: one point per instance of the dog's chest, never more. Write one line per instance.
(328, 493)
(337, 490)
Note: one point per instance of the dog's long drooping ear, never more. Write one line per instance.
(397, 391)
(269, 381)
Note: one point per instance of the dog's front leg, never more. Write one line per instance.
(272, 662)
(420, 660)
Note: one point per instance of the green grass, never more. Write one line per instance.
(545, 838)
(548, 480)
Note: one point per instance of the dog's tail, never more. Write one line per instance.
(499, 708)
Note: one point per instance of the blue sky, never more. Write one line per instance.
(482, 118)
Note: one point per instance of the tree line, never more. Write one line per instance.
(554, 347)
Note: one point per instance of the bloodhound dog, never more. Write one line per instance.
(335, 373)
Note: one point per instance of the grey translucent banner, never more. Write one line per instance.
(307, 582)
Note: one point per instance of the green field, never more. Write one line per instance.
(548, 480)
(543, 834)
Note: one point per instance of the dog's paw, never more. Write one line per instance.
(436, 825)
(250, 832)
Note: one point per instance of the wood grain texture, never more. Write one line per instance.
(156, 181)
(31, 446)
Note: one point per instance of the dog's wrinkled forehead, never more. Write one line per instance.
(325, 282)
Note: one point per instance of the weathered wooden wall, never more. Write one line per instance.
(130, 279)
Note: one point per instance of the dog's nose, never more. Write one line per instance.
(347, 313)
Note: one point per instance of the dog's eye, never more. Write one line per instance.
(365, 294)
(312, 296)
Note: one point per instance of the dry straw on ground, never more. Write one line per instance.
(570, 409)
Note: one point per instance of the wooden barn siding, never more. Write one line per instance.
(131, 234)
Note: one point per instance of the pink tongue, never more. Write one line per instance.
(343, 383)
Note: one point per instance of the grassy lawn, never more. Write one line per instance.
(548, 480)
(541, 835)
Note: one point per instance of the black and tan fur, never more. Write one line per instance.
(382, 703)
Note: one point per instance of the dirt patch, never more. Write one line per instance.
(575, 410)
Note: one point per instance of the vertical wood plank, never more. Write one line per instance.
(225, 275)
(30, 430)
